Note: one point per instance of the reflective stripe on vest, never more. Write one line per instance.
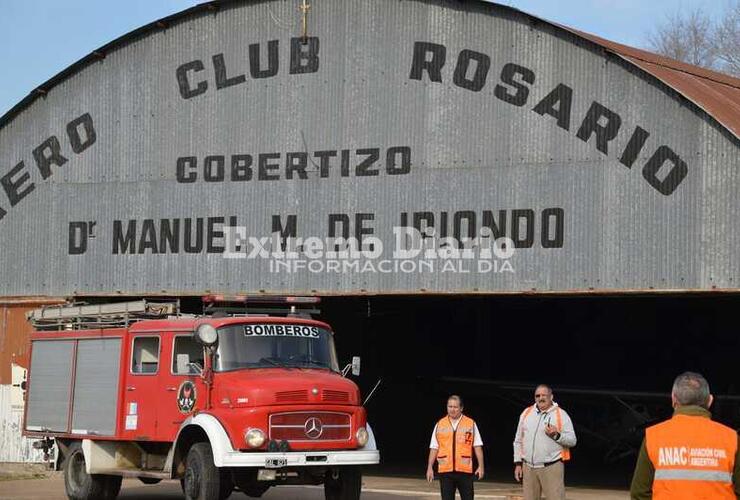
(455, 451)
(565, 453)
(693, 457)
(693, 475)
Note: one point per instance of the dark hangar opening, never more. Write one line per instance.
(610, 359)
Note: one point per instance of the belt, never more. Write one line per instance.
(541, 465)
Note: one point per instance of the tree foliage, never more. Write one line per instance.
(696, 38)
(727, 41)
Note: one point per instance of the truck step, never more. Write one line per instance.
(154, 474)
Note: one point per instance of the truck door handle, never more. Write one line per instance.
(130, 388)
(172, 389)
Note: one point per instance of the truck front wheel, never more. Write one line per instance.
(83, 486)
(344, 483)
(203, 480)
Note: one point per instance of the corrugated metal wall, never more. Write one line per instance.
(14, 349)
(481, 144)
(13, 446)
(14, 331)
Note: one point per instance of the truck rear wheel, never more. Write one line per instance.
(203, 480)
(344, 483)
(83, 486)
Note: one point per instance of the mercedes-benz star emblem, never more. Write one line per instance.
(313, 428)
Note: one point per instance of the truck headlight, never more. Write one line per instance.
(254, 438)
(362, 436)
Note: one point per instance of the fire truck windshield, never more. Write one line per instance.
(274, 345)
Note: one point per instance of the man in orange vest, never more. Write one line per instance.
(543, 439)
(454, 440)
(688, 456)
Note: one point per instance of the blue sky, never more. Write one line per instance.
(39, 38)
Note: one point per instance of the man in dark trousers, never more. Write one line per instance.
(689, 456)
(454, 440)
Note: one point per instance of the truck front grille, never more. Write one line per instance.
(310, 426)
(335, 396)
(291, 397)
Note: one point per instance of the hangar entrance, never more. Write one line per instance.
(610, 359)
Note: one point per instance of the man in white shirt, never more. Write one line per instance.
(454, 440)
(542, 443)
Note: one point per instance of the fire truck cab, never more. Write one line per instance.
(221, 403)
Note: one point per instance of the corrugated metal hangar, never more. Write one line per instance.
(515, 201)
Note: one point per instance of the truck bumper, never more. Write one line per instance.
(300, 459)
(224, 455)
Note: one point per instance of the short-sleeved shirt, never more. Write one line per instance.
(477, 441)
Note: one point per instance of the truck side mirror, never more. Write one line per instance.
(354, 366)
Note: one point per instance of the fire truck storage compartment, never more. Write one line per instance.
(85, 369)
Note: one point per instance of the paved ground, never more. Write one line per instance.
(375, 488)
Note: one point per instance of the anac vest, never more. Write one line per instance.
(694, 458)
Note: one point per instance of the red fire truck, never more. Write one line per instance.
(220, 402)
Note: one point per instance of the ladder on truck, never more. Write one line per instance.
(218, 305)
(80, 316)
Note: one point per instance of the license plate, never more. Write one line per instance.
(275, 463)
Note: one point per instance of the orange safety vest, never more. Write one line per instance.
(693, 457)
(565, 453)
(455, 446)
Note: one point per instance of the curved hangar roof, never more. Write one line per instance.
(608, 168)
(716, 93)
